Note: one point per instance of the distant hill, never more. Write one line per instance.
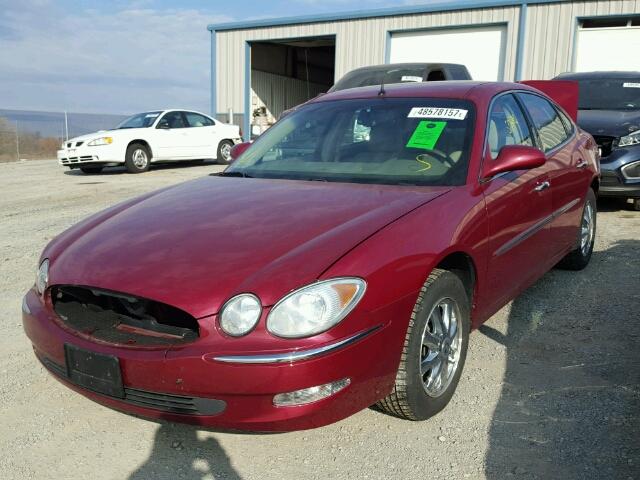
(51, 124)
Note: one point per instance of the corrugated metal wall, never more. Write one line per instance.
(551, 29)
(548, 45)
(358, 43)
(278, 93)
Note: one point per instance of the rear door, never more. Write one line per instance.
(202, 135)
(518, 207)
(568, 174)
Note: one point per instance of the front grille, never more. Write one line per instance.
(69, 160)
(122, 319)
(609, 179)
(605, 144)
(166, 402)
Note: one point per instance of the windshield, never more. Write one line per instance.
(141, 120)
(609, 94)
(418, 141)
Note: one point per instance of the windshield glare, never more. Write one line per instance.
(418, 141)
(141, 120)
(609, 94)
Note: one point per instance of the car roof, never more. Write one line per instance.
(469, 89)
(597, 75)
(389, 66)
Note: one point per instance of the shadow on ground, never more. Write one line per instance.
(76, 172)
(570, 404)
(178, 452)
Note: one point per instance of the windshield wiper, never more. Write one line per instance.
(233, 174)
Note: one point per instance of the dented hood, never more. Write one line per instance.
(197, 244)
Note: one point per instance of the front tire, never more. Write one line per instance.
(224, 152)
(91, 170)
(578, 258)
(434, 350)
(635, 204)
(137, 158)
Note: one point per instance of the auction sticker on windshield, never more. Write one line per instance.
(631, 85)
(438, 112)
(426, 135)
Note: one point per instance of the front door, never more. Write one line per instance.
(519, 207)
(170, 138)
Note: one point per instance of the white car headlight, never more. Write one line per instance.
(632, 139)
(240, 314)
(42, 277)
(315, 308)
(96, 142)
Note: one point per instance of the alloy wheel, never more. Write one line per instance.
(441, 347)
(140, 158)
(225, 151)
(587, 229)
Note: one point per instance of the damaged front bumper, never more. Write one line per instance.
(192, 383)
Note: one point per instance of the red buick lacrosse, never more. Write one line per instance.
(341, 260)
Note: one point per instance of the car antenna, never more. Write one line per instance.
(382, 90)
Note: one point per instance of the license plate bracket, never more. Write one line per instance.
(94, 371)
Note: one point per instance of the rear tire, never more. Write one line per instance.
(417, 393)
(224, 152)
(91, 170)
(636, 204)
(138, 158)
(578, 258)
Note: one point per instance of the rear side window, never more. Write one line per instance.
(507, 125)
(546, 120)
(197, 120)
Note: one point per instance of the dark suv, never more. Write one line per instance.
(401, 73)
(609, 109)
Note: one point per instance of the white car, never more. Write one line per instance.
(150, 137)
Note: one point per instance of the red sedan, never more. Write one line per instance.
(339, 262)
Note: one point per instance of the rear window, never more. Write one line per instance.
(367, 77)
(418, 141)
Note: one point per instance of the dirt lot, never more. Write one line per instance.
(551, 387)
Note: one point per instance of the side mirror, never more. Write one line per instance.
(514, 157)
(239, 149)
(163, 126)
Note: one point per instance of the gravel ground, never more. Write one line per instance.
(551, 388)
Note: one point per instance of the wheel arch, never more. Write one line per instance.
(143, 142)
(464, 267)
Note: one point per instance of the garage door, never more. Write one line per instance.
(482, 49)
(608, 49)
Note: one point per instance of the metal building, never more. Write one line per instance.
(260, 68)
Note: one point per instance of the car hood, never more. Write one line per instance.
(611, 123)
(197, 244)
(103, 133)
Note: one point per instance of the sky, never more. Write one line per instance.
(124, 57)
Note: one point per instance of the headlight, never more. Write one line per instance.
(240, 314)
(315, 308)
(632, 139)
(42, 278)
(100, 141)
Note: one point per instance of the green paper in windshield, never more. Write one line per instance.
(426, 135)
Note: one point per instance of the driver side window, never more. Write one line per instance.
(172, 120)
(507, 125)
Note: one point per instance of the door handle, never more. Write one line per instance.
(581, 164)
(542, 186)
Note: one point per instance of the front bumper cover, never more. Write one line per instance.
(221, 394)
